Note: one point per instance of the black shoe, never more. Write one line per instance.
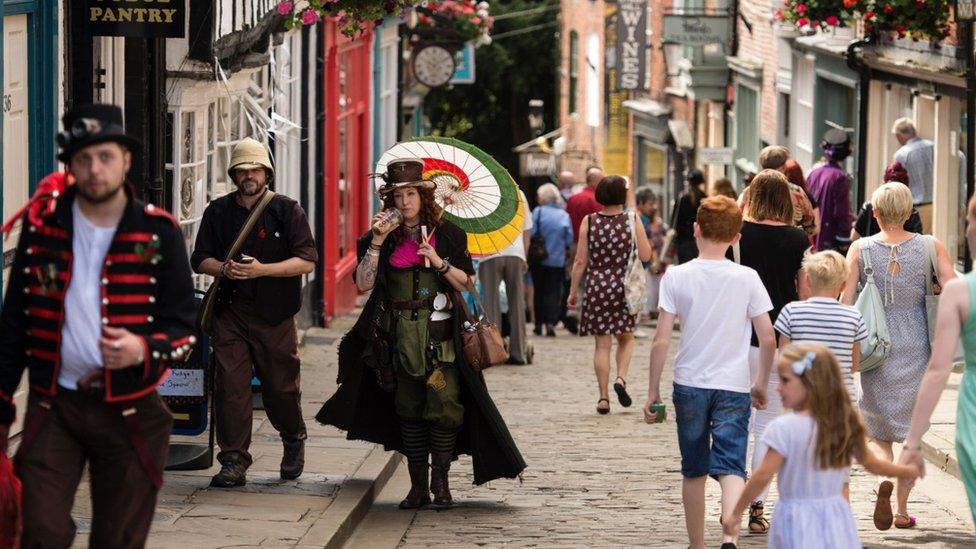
(550, 330)
(621, 390)
(293, 460)
(232, 474)
(516, 361)
(537, 330)
(729, 545)
(571, 325)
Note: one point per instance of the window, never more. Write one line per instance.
(802, 112)
(594, 84)
(387, 112)
(573, 70)
(746, 129)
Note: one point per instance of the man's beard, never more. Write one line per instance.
(242, 186)
(99, 199)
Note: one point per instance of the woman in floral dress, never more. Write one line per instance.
(604, 249)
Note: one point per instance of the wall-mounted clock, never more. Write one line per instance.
(433, 65)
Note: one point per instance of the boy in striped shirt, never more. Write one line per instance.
(824, 320)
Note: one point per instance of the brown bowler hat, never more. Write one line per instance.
(404, 172)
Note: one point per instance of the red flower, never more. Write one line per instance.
(262, 233)
(888, 9)
(832, 20)
(802, 22)
(815, 23)
(778, 15)
(801, 8)
(848, 4)
(868, 15)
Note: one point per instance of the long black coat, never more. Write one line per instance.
(366, 412)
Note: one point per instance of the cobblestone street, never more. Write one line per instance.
(614, 480)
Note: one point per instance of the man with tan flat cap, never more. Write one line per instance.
(254, 317)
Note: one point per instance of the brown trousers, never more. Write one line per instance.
(241, 340)
(81, 428)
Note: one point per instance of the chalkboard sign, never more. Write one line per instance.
(183, 383)
(137, 18)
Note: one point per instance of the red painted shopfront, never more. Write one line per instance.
(346, 151)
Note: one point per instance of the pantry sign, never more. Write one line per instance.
(137, 18)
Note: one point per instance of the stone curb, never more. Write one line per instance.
(356, 495)
(941, 459)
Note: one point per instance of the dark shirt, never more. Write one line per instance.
(776, 253)
(867, 225)
(281, 233)
(685, 212)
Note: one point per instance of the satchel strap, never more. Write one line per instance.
(464, 305)
(933, 262)
(866, 256)
(252, 220)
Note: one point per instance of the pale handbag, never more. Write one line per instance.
(635, 281)
(877, 346)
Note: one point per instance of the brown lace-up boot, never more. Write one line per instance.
(440, 464)
(418, 496)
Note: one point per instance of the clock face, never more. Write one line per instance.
(433, 66)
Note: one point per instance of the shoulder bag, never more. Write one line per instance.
(635, 282)
(931, 297)
(206, 312)
(537, 252)
(876, 348)
(482, 343)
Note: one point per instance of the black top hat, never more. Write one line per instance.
(92, 124)
(404, 172)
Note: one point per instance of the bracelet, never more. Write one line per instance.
(223, 270)
(444, 268)
(374, 246)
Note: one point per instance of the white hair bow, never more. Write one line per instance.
(801, 366)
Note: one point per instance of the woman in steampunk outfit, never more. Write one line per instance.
(403, 380)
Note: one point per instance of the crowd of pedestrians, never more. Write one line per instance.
(764, 287)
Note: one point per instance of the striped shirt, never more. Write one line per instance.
(827, 322)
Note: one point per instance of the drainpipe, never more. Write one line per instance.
(855, 63)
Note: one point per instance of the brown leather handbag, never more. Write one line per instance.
(482, 342)
(206, 312)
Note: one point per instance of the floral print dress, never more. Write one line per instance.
(604, 303)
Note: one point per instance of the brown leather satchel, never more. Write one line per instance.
(482, 342)
(206, 312)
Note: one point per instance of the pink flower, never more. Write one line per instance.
(815, 23)
(476, 21)
(832, 20)
(285, 7)
(778, 15)
(802, 22)
(310, 16)
(801, 8)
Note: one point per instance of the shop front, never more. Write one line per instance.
(346, 148)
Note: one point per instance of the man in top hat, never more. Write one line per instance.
(831, 189)
(254, 320)
(99, 306)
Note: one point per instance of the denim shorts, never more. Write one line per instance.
(713, 431)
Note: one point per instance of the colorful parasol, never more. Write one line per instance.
(476, 192)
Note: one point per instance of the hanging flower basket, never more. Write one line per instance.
(454, 20)
(917, 19)
(353, 16)
(808, 15)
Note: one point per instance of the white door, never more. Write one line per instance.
(16, 173)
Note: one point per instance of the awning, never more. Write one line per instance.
(681, 134)
(646, 107)
(535, 143)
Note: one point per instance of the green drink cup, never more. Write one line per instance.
(660, 412)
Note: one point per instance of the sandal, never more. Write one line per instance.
(757, 522)
(910, 521)
(882, 506)
(621, 388)
(600, 410)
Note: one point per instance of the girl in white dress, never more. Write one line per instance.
(812, 450)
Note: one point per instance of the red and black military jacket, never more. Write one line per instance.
(146, 288)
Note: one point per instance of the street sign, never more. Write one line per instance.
(537, 164)
(464, 61)
(696, 30)
(716, 155)
(631, 46)
(137, 18)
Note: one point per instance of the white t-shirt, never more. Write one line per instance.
(517, 248)
(716, 302)
(82, 328)
(831, 324)
(794, 437)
